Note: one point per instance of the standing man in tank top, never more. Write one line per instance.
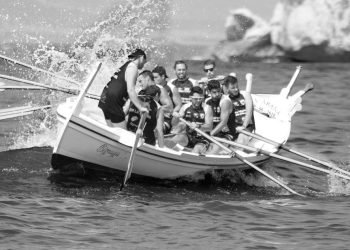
(120, 88)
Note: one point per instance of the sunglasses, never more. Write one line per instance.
(207, 70)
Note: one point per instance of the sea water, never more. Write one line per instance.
(39, 210)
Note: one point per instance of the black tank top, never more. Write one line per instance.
(239, 108)
(151, 121)
(194, 115)
(215, 105)
(115, 93)
(184, 88)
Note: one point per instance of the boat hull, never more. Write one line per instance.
(86, 142)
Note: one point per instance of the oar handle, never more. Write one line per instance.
(285, 91)
(249, 80)
(243, 131)
(206, 135)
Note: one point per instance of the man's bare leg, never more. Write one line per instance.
(116, 125)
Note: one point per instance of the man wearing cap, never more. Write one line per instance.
(160, 77)
(120, 88)
(154, 121)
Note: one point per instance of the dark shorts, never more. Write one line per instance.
(227, 135)
(193, 140)
(115, 117)
(167, 124)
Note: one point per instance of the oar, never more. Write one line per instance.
(139, 133)
(285, 91)
(21, 88)
(277, 156)
(278, 145)
(66, 90)
(300, 93)
(44, 86)
(241, 158)
(21, 111)
(39, 69)
(14, 109)
(249, 80)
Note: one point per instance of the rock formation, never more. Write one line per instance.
(248, 38)
(312, 30)
(300, 30)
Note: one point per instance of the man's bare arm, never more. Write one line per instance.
(226, 109)
(130, 77)
(177, 100)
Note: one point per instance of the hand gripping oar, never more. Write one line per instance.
(139, 132)
(39, 69)
(287, 159)
(285, 91)
(278, 145)
(241, 158)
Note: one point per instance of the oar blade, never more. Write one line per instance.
(139, 133)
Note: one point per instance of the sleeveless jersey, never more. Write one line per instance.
(184, 88)
(194, 115)
(115, 93)
(216, 107)
(239, 109)
(151, 121)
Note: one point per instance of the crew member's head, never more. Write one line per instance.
(159, 75)
(214, 88)
(180, 68)
(230, 85)
(139, 57)
(209, 68)
(197, 96)
(145, 79)
(151, 92)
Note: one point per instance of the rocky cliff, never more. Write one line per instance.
(299, 30)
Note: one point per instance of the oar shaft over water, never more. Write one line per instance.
(308, 157)
(66, 90)
(277, 156)
(39, 69)
(241, 158)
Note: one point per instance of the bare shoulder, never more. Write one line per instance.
(131, 68)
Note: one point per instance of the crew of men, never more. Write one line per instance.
(214, 105)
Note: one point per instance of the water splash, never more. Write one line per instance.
(339, 185)
(133, 24)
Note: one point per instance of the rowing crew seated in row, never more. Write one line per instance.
(219, 116)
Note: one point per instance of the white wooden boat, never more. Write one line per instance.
(87, 140)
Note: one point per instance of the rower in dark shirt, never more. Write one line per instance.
(120, 88)
(148, 95)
